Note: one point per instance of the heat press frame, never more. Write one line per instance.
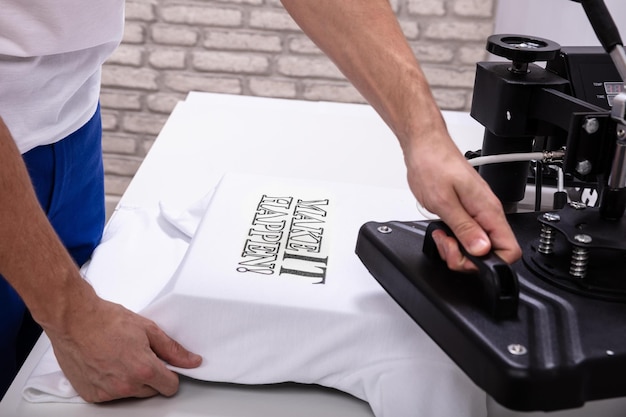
(548, 332)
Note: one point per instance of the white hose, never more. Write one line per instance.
(506, 157)
(501, 158)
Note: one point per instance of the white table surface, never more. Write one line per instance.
(210, 134)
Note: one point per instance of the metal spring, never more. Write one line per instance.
(546, 240)
(580, 260)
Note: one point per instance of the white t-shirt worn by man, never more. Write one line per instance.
(51, 53)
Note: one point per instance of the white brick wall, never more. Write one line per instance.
(253, 47)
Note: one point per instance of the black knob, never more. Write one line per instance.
(522, 49)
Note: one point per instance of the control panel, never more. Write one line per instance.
(591, 72)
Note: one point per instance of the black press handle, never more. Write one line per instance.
(498, 280)
(602, 23)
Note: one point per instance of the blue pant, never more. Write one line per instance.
(69, 181)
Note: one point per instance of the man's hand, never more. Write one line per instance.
(108, 353)
(365, 41)
(445, 184)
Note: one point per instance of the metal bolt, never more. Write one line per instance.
(621, 133)
(577, 205)
(583, 167)
(591, 125)
(517, 349)
(551, 217)
(583, 238)
(384, 229)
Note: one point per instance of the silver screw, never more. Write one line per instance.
(384, 229)
(584, 167)
(517, 349)
(591, 125)
(508, 115)
(621, 133)
(583, 238)
(551, 217)
(577, 205)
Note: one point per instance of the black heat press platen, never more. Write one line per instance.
(557, 350)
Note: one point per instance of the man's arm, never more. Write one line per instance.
(106, 351)
(364, 40)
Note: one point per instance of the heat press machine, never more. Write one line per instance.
(548, 332)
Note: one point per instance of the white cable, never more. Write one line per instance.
(506, 157)
(501, 158)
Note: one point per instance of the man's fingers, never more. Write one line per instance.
(161, 379)
(466, 228)
(492, 233)
(506, 245)
(147, 392)
(476, 219)
(166, 350)
(171, 351)
(469, 233)
(448, 248)
(147, 376)
(101, 395)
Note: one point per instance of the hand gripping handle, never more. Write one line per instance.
(497, 278)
